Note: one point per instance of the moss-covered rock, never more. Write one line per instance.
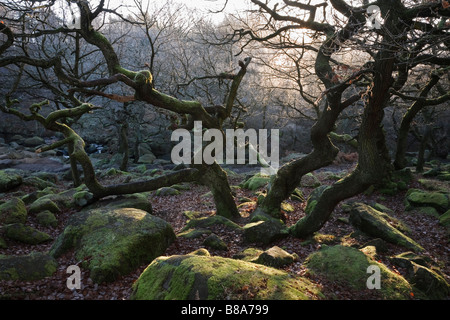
(423, 276)
(255, 182)
(213, 241)
(38, 183)
(349, 266)
(82, 198)
(47, 219)
(193, 233)
(33, 266)
(419, 198)
(264, 231)
(9, 180)
(25, 234)
(206, 222)
(43, 204)
(63, 199)
(215, 278)
(113, 242)
(276, 257)
(309, 180)
(33, 141)
(374, 223)
(13, 211)
(248, 254)
(167, 191)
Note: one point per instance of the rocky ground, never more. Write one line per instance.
(426, 229)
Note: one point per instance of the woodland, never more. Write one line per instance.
(354, 98)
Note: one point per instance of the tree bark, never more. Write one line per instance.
(416, 107)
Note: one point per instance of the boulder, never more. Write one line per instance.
(33, 141)
(113, 241)
(423, 276)
(43, 204)
(25, 234)
(213, 241)
(276, 257)
(374, 223)
(147, 158)
(349, 266)
(213, 220)
(13, 211)
(9, 180)
(82, 198)
(194, 276)
(33, 266)
(255, 182)
(135, 200)
(309, 180)
(167, 191)
(47, 219)
(419, 198)
(38, 183)
(264, 231)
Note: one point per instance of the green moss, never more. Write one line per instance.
(26, 234)
(437, 200)
(113, 242)
(46, 219)
(255, 182)
(205, 277)
(13, 211)
(348, 266)
(44, 204)
(33, 266)
(380, 225)
(9, 180)
(206, 222)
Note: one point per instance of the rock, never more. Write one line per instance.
(213, 241)
(349, 266)
(147, 158)
(38, 183)
(373, 223)
(419, 198)
(9, 180)
(65, 199)
(113, 242)
(82, 198)
(13, 211)
(43, 204)
(276, 257)
(249, 254)
(255, 182)
(213, 220)
(33, 266)
(420, 273)
(17, 137)
(167, 191)
(309, 180)
(264, 231)
(47, 219)
(25, 234)
(193, 233)
(193, 276)
(135, 200)
(33, 142)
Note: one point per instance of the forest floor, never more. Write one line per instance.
(425, 230)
